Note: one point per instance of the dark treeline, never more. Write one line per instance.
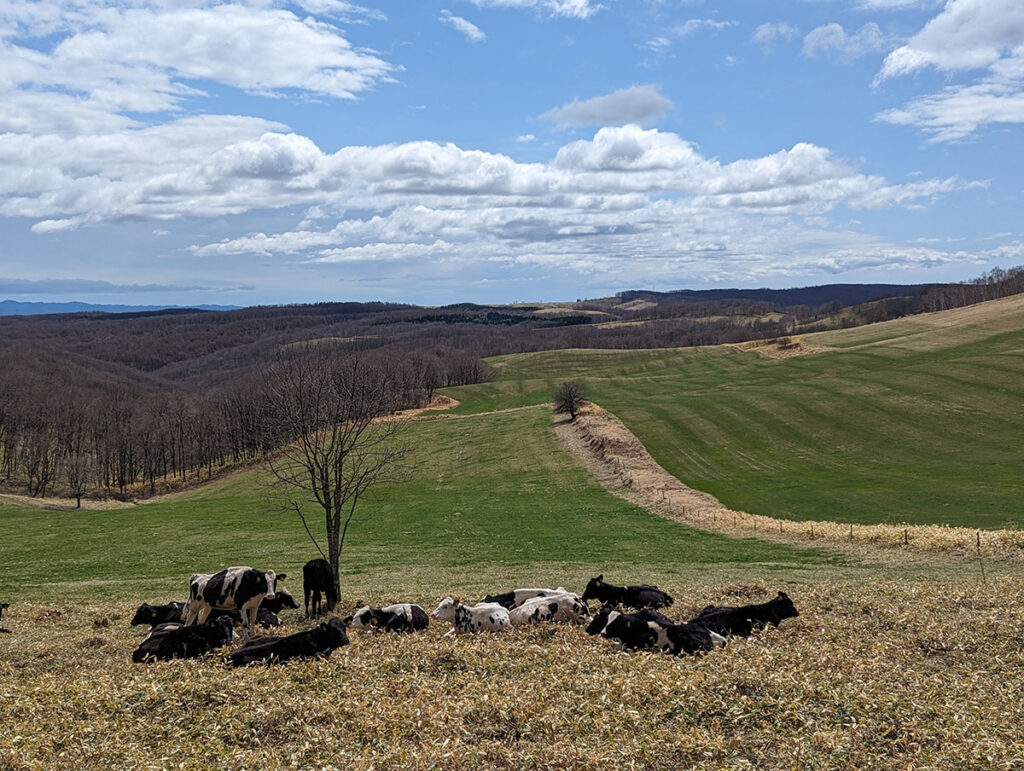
(128, 404)
(66, 430)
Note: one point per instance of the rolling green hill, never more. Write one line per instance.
(918, 420)
(491, 496)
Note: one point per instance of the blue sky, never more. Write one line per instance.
(503, 150)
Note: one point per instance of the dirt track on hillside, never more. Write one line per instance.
(619, 461)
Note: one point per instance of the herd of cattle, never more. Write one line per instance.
(249, 597)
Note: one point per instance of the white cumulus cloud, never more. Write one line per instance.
(984, 40)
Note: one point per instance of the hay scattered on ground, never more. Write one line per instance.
(884, 675)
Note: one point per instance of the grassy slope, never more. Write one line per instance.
(484, 496)
(917, 420)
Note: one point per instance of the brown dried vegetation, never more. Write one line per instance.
(872, 674)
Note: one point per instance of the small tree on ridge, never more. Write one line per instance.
(570, 397)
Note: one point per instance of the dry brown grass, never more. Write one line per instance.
(774, 349)
(620, 462)
(882, 675)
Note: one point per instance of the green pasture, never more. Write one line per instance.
(910, 421)
(485, 499)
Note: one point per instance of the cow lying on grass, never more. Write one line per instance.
(484, 617)
(318, 642)
(650, 630)
(400, 617)
(159, 614)
(747, 618)
(517, 597)
(628, 596)
(282, 600)
(560, 607)
(176, 611)
(177, 641)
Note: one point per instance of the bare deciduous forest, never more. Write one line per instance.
(134, 404)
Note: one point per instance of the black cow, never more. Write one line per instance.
(318, 642)
(400, 617)
(265, 618)
(177, 641)
(158, 614)
(283, 600)
(629, 596)
(316, 578)
(744, 620)
(174, 611)
(3, 607)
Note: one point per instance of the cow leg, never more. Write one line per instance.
(204, 613)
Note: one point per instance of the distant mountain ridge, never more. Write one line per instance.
(17, 308)
(813, 296)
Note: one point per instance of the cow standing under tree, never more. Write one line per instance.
(330, 404)
(317, 583)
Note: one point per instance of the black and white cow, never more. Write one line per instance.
(240, 588)
(317, 578)
(400, 617)
(4, 606)
(560, 607)
(158, 614)
(177, 641)
(318, 642)
(747, 618)
(634, 631)
(642, 596)
(600, 619)
(282, 600)
(483, 617)
(690, 638)
(517, 597)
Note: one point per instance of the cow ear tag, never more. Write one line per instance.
(597, 583)
(375, 622)
(629, 623)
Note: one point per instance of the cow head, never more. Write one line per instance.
(783, 607)
(600, 620)
(287, 601)
(445, 611)
(333, 633)
(593, 590)
(364, 618)
(272, 579)
(224, 630)
(144, 615)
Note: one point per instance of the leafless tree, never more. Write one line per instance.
(570, 397)
(332, 409)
